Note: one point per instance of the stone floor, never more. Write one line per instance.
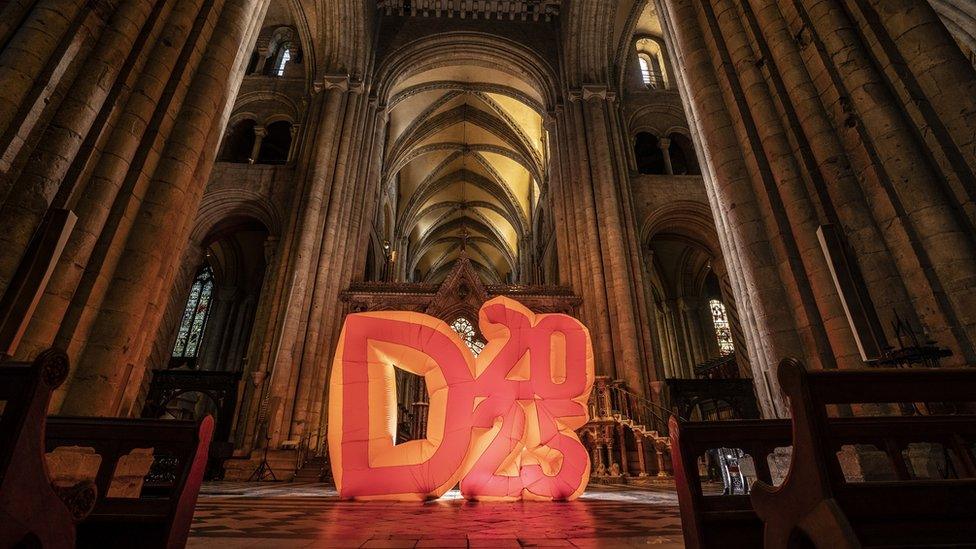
(231, 515)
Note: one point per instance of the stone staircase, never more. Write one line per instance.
(615, 411)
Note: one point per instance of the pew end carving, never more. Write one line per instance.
(32, 510)
(156, 510)
(823, 501)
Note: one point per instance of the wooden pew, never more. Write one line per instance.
(161, 515)
(32, 512)
(817, 502)
(715, 520)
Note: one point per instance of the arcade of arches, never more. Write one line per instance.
(683, 176)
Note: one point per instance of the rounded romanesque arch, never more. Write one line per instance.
(239, 141)
(691, 219)
(223, 204)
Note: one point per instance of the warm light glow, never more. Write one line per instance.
(502, 423)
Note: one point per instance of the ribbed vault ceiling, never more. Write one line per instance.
(467, 151)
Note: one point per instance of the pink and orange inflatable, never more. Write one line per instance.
(502, 424)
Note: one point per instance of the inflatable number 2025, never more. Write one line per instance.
(503, 424)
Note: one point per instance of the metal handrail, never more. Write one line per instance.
(612, 399)
(657, 422)
(648, 402)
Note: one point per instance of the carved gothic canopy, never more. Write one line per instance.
(461, 294)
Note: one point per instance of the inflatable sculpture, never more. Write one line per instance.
(502, 424)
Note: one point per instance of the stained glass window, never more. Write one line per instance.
(465, 329)
(195, 315)
(722, 330)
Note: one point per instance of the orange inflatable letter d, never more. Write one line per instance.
(502, 424)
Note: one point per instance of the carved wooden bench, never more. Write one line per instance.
(32, 511)
(817, 503)
(721, 520)
(156, 513)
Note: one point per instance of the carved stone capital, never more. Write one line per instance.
(341, 82)
(592, 92)
(549, 120)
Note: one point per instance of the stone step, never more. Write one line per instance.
(313, 471)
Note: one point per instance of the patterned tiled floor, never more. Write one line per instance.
(235, 515)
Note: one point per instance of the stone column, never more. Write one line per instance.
(263, 58)
(294, 130)
(641, 456)
(161, 226)
(281, 356)
(331, 275)
(622, 444)
(911, 184)
(702, 315)
(76, 287)
(259, 133)
(601, 234)
(664, 143)
(30, 69)
(777, 177)
(526, 261)
(234, 350)
(660, 447)
(337, 212)
(831, 114)
(44, 177)
(598, 458)
(349, 234)
(729, 181)
(661, 342)
(925, 58)
(260, 333)
(565, 213)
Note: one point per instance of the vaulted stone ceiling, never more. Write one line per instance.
(466, 150)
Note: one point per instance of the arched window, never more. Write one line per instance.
(252, 65)
(239, 142)
(284, 56)
(651, 60)
(722, 330)
(683, 159)
(645, 67)
(647, 152)
(276, 143)
(195, 315)
(465, 329)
